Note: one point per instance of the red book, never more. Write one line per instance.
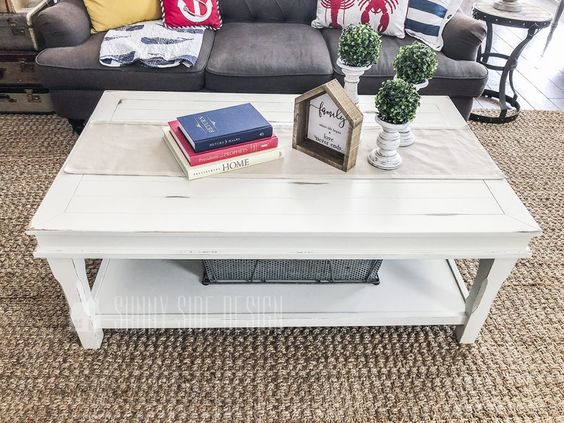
(223, 153)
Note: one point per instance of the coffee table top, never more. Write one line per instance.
(88, 214)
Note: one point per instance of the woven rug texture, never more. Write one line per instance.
(514, 372)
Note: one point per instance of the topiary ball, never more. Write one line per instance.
(397, 101)
(415, 63)
(359, 45)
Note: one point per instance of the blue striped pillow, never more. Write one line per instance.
(426, 19)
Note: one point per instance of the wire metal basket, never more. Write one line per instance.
(291, 271)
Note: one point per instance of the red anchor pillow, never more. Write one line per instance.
(385, 16)
(183, 13)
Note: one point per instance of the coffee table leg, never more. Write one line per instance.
(490, 276)
(71, 275)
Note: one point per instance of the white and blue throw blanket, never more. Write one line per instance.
(151, 44)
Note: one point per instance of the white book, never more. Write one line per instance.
(214, 168)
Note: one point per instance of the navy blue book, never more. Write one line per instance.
(223, 127)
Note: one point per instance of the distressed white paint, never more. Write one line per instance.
(158, 107)
(406, 135)
(71, 275)
(424, 221)
(136, 293)
(490, 276)
(352, 78)
(385, 156)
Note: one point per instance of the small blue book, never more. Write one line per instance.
(223, 127)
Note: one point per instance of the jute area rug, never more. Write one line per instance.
(514, 372)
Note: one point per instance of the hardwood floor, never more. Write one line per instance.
(539, 78)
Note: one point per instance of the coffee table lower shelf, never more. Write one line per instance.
(168, 294)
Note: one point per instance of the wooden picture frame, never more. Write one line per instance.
(342, 160)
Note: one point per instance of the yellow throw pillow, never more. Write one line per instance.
(108, 14)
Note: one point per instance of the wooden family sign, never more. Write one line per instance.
(327, 125)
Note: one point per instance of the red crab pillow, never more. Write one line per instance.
(386, 16)
(182, 13)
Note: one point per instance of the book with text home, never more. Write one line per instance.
(195, 172)
(222, 153)
(223, 127)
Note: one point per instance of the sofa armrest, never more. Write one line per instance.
(65, 24)
(462, 36)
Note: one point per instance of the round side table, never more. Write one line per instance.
(533, 19)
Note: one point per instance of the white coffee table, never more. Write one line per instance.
(152, 232)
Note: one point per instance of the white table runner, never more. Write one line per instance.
(138, 149)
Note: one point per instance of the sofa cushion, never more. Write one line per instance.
(426, 20)
(461, 78)
(79, 68)
(268, 58)
(178, 14)
(297, 11)
(109, 14)
(386, 16)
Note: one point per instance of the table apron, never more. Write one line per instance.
(283, 246)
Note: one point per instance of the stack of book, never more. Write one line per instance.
(221, 140)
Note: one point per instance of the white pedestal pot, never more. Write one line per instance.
(421, 85)
(352, 77)
(406, 136)
(385, 155)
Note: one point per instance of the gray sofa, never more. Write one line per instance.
(264, 46)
